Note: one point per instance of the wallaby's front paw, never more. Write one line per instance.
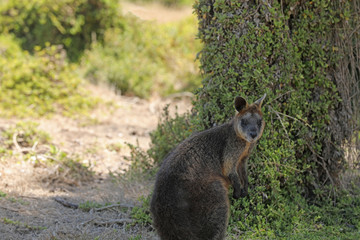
(243, 192)
(236, 194)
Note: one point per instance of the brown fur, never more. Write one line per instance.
(190, 199)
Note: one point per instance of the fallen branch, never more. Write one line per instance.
(88, 221)
(10, 209)
(66, 203)
(45, 157)
(114, 221)
(113, 206)
(33, 148)
(278, 97)
(278, 116)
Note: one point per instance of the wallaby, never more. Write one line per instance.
(190, 200)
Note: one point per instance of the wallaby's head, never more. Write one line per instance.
(249, 123)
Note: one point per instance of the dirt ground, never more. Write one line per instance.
(30, 210)
(156, 12)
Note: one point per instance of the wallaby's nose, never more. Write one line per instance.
(253, 134)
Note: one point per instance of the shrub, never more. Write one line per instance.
(169, 133)
(294, 52)
(290, 50)
(72, 23)
(141, 214)
(279, 50)
(38, 85)
(141, 164)
(146, 58)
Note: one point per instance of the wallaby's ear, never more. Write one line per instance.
(240, 103)
(260, 101)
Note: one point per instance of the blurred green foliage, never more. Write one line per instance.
(72, 23)
(40, 37)
(145, 58)
(39, 84)
(169, 133)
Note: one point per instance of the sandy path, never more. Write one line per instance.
(156, 12)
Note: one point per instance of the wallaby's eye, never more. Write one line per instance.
(244, 122)
(259, 122)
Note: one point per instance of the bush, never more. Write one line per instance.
(145, 58)
(169, 133)
(290, 50)
(294, 52)
(38, 85)
(72, 23)
(141, 214)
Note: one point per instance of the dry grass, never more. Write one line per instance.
(41, 217)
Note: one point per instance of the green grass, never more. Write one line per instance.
(88, 205)
(141, 214)
(2, 194)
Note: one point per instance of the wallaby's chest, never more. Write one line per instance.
(234, 157)
(244, 154)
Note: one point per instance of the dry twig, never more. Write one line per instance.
(113, 206)
(114, 221)
(278, 116)
(20, 149)
(16, 144)
(10, 209)
(66, 203)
